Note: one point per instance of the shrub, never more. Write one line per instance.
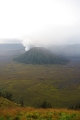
(45, 104)
(7, 95)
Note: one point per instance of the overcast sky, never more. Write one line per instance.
(39, 22)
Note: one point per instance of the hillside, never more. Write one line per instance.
(38, 114)
(11, 111)
(5, 103)
(40, 55)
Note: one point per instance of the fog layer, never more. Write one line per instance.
(40, 22)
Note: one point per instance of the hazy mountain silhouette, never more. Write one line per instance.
(40, 55)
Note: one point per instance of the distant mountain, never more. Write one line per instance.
(40, 55)
(9, 51)
(10, 47)
(68, 50)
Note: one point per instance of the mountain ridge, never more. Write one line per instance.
(40, 55)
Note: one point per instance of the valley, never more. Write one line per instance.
(59, 84)
(34, 87)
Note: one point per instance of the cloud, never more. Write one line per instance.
(58, 24)
(3, 41)
(53, 35)
(40, 22)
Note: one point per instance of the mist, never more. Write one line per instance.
(53, 35)
(40, 22)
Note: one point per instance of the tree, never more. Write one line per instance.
(8, 95)
(22, 102)
(45, 104)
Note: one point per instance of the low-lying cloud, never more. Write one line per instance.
(53, 35)
(40, 22)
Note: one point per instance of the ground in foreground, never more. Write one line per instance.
(12, 111)
(21, 113)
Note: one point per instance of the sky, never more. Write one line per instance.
(40, 22)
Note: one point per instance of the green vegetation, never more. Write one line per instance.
(7, 95)
(45, 105)
(5, 103)
(59, 85)
(12, 111)
(39, 55)
(27, 113)
(47, 87)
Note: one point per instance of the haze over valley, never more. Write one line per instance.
(40, 59)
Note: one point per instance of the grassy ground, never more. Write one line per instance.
(19, 113)
(5, 103)
(57, 84)
(12, 111)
